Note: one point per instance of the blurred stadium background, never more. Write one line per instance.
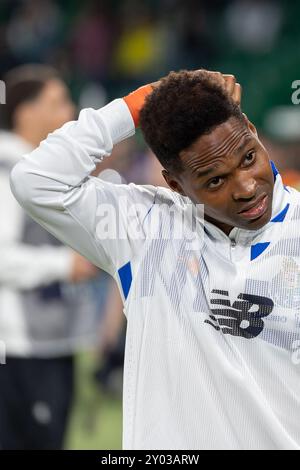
(104, 49)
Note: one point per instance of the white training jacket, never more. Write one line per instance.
(40, 311)
(212, 352)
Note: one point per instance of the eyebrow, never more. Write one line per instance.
(244, 143)
(207, 171)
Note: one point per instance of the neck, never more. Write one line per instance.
(222, 226)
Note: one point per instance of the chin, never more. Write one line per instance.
(258, 223)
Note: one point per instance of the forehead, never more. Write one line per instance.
(224, 141)
(53, 88)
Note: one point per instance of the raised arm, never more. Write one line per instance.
(54, 186)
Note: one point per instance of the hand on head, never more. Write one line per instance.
(136, 99)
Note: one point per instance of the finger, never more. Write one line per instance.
(230, 81)
(237, 94)
(219, 77)
(155, 84)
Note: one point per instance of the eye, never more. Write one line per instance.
(215, 182)
(249, 158)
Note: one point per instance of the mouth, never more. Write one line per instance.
(255, 210)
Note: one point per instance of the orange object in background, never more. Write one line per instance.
(291, 178)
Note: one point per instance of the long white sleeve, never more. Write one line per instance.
(52, 183)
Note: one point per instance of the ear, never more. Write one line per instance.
(173, 182)
(250, 125)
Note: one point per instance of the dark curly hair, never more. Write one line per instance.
(23, 83)
(185, 105)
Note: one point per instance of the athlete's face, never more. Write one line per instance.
(51, 109)
(229, 172)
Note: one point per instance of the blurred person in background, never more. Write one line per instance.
(44, 319)
(33, 31)
(91, 40)
(282, 138)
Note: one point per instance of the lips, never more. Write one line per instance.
(256, 209)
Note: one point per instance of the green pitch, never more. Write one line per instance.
(96, 419)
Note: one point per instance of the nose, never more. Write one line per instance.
(244, 187)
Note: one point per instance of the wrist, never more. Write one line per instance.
(136, 100)
(118, 120)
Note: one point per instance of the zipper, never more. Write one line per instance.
(233, 237)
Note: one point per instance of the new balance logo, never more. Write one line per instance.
(243, 317)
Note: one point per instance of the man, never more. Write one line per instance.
(40, 319)
(213, 330)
